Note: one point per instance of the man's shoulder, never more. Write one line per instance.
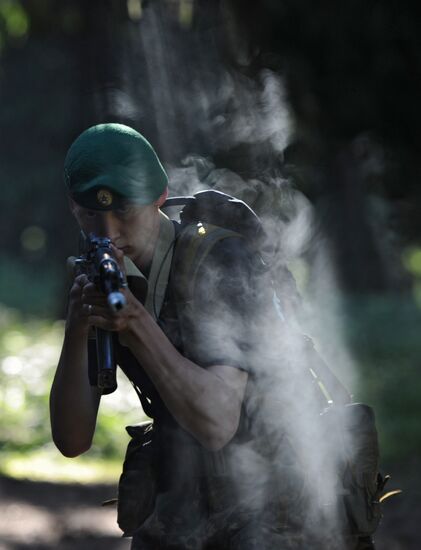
(199, 244)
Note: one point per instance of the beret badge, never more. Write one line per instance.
(104, 197)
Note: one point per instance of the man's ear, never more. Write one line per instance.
(72, 204)
(160, 201)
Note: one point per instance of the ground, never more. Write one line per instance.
(46, 516)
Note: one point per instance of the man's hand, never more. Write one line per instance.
(98, 313)
(205, 402)
(77, 313)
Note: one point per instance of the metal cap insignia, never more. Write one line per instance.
(105, 197)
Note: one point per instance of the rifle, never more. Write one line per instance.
(99, 264)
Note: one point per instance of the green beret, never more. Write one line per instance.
(110, 164)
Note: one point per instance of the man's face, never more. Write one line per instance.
(130, 228)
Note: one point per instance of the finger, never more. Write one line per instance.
(105, 323)
(100, 301)
(91, 289)
(82, 280)
(91, 294)
(103, 309)
(90, 310)
(76, 289)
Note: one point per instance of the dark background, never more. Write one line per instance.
(284, 99)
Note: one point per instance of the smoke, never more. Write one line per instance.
(294, 461)
(237, 129)
(257, 112)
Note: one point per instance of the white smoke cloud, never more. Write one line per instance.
(286, 400)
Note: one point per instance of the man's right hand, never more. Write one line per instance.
(78, 312)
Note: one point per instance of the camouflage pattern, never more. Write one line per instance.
(243, 533)
(229, 531)
(209, 505)
(252, 495)
(213, 513)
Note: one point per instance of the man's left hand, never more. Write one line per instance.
(98, 311)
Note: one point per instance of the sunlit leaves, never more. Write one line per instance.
(33, 238)
(183, 11)
(411, 258)
(46, 464)
(29, 352)
(134, 9)
(14, 21)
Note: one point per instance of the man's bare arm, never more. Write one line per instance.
(205, 402)
(73, 402)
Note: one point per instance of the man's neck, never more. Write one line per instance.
(144, 260)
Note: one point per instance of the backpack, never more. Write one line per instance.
(207, 218)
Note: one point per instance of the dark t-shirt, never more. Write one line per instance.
(227, 300)
(195, 485)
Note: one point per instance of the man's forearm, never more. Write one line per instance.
(73, 402)
(200, 400)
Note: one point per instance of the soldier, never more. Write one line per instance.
(193, 387)
(221, 466)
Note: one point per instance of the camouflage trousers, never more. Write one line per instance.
(238, 533)
(186, 529)
(245, 540)
(179, 523)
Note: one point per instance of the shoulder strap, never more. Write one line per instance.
(193, 246)
(328, 382)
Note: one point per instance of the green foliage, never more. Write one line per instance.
(14, 21)
(411, 258)
(383, 334)
(20, 289)
(382, 337)
(29, 352)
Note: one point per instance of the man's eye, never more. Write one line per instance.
(123, 211)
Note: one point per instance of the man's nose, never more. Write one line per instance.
(110, 226)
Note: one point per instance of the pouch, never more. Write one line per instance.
(137, 485)
(360, 483)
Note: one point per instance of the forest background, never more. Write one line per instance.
(308, 111)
